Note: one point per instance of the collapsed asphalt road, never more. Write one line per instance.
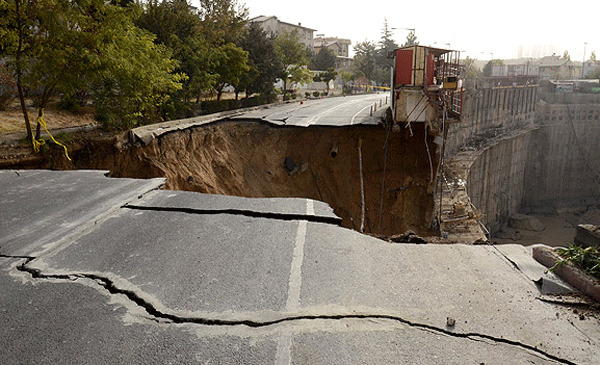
(101, 270)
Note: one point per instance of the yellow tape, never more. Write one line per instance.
(37, 143)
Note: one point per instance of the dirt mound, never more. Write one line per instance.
(248, 159)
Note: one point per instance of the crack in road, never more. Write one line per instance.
(246, 213)
(108, 284)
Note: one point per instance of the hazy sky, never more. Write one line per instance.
(478, 28)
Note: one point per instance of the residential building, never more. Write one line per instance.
(272, 25)
(555, 67)
(339, 46)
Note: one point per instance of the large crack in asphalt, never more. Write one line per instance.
(158, 315)
(243, 212)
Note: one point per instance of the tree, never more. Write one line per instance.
(18, 27)
(471, 69)
(299, 74)
(177, 25)
(135, 80)
(223, 21)
(386, 45)
(324, 60)
(67, 47)
(566, 56)
(364, 58)
(264, 63)
(411, 39)
(232, 64)
(293, 58)
(487, 69)
(326, 76)
(593, 56)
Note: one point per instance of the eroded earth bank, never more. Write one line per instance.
(253, 159)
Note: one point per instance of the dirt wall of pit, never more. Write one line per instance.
(248, 159)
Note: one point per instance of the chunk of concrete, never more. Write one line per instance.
(587, 235)
(526, 222)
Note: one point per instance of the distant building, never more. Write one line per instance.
(272, 25)
(555, 67)
(339, 47)
(519, 68)
(534, 50)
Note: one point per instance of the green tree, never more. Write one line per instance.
(135, 80)
(364, 58)
(471, 69)
(566, 55)
(264, 63)
(223, 21)
(593, 56)
(324, 60)
(64, 46)
(232, 65)
(293, 58)
(177, 25)
(19, 25)
(411, 39)
(326, 76)
(386, 45)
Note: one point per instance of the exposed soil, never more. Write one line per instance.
(248, 159)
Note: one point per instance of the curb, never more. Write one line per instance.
(587, 284)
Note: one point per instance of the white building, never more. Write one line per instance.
(272, 25)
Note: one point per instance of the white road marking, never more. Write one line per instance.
(284, 346)
(355, 115)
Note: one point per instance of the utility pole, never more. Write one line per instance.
(583, 62)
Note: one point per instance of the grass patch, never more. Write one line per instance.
(587, 259)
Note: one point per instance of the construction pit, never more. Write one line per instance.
(258, 159)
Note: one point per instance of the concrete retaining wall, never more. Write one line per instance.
(495, 180)
(563, 166)
(491, 112)
(528, 154)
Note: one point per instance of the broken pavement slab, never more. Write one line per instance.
(218, 287)
(547, 281)
(40, 207)
(587, 284)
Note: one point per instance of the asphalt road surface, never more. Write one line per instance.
(338, 111)
(121, 272)
(333, 111)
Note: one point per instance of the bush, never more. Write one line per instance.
(69, 105)
(294, 96)
(316, 94)
(307, 95)
(324, 93)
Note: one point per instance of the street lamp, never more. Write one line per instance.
(321, 37)
(583, 62)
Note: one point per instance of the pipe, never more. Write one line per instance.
(362, 189)
(334, 151)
